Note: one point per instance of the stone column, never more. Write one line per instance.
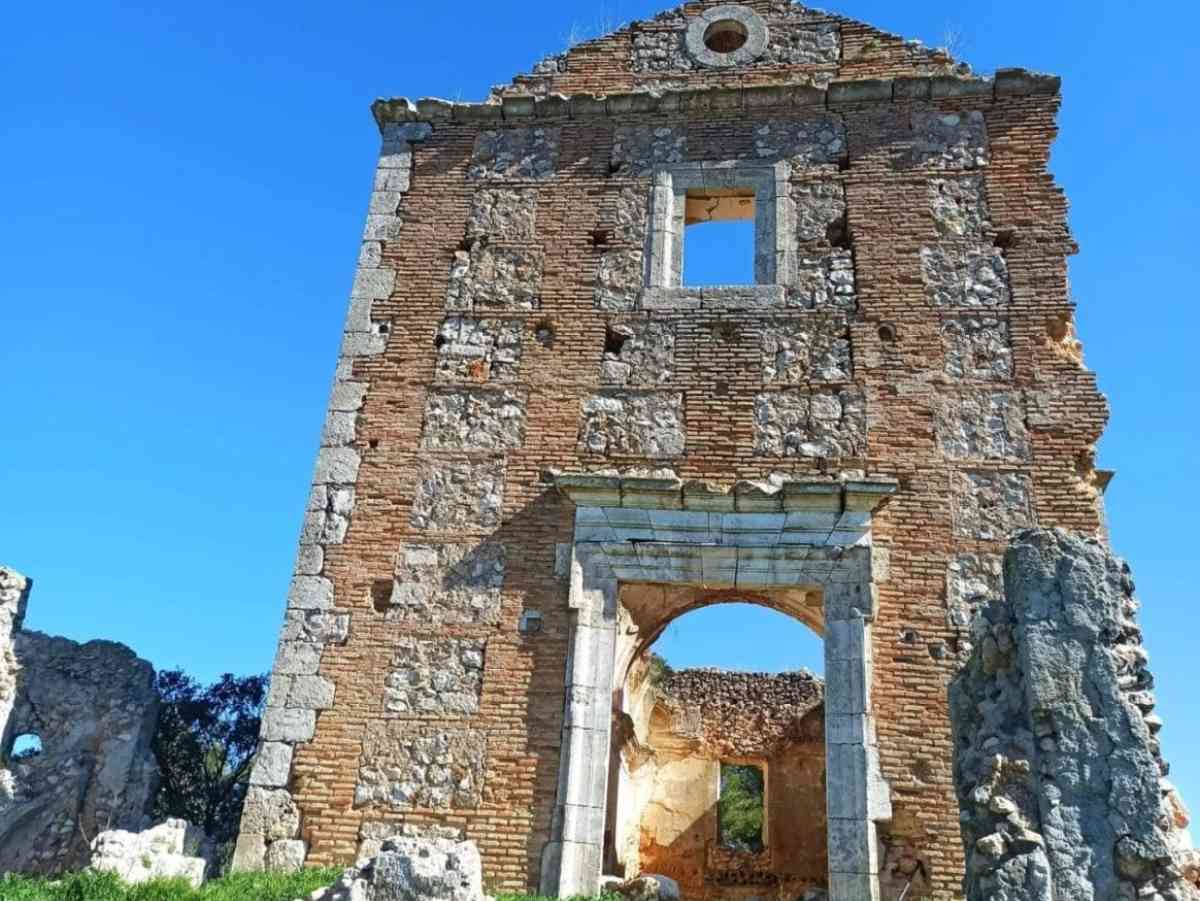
(572, 862)
(857, 795)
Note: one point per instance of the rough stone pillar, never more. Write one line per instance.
(857, 795)
(1058, 770)
(572, 862)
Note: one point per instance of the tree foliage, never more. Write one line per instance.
(205, 746)
(741, 806)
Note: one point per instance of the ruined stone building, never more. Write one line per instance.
(542, 446)
(76, 728)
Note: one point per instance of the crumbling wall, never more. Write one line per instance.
(1058, 767)
(94, 709)
(695, 720)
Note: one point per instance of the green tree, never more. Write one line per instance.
(741, 806)
(205, 745)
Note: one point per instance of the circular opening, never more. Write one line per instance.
(726, 36)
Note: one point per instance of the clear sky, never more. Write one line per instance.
(182, 186)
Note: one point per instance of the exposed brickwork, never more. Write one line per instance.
(934, 309)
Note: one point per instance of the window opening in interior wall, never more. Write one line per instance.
(741, 807)
(26, 746)
(719, 237)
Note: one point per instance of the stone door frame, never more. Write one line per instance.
(756, 536)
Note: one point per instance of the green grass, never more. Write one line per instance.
(239, 887)
(106, 887)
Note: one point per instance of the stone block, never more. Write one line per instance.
(310, 593)
(965, 275)
(272, 765)
(959, 206)
(478, 350)
(806, 349)
(824, 282)
(315, 628)
(820, 211)
(990, 505)
(633, 424)
(249, 853)
(803, 142)
(495, 278)
(639, 353)
(286, 856)
(978, 348)
(271, 814)
(285, 724)
(453, 496)
(297, 658)
(852, 847)
(160, 853)
(451, 584)
(337, 466)
(949, 140)
(982, 425)
(309, 692)
(435, 678)
(830, 424)
(640, 149)
(474, 420)
(503, 214)
(515, 153)
(620, 279)
(405, 766)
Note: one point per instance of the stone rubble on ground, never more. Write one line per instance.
(412, 869)
(174, 849)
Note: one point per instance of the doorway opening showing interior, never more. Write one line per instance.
(717, 769)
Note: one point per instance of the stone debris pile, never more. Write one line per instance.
(412, 869)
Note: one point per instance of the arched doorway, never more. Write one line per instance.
(717, 772)
(648, 549)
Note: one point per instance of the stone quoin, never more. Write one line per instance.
(543, 445)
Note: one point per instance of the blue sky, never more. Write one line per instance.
(183, 186)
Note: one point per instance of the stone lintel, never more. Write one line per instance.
(1007, 83)
(857, 496)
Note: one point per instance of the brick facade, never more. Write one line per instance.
(501, 328)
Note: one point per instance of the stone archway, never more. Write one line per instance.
(684, 742)
(782, 536)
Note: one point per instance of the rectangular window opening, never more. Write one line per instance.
(719, 237)
(741, 807)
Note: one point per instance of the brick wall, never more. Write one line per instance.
(496, 362)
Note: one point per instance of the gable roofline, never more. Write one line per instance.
(559, 107)
(544, 72)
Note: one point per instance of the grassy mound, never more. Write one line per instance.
(107, 887)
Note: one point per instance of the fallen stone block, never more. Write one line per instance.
(649, 887)
(412, 869)
(174, 849)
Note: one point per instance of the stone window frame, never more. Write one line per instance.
(757, 36)
(774, 228)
